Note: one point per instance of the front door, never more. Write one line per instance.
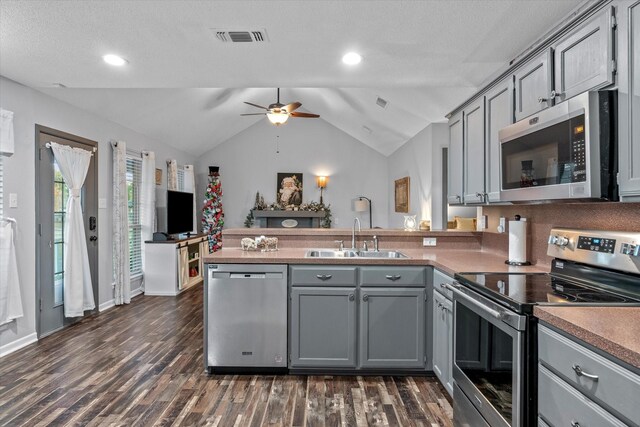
(52, 200)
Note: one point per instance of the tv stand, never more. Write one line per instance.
(171, 266)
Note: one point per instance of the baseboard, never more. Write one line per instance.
(18, 344)
(160, 294)
(106, 305)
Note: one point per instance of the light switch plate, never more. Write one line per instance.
(428, 241)
(102, 203)
(503, 225)
(482, 222)
(13, 200)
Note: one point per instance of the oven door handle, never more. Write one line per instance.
(494, 313)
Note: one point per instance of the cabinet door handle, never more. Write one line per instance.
(352, 297)
(555, 94)
(578, 370)
(574, 423)
(393, 277)
(324, 276)
(365, 297)
(541, 100)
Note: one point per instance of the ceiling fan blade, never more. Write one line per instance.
(290, 108)
(256, 105)
(308, 115)
(254, 114)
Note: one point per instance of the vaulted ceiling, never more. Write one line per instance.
(186, 88)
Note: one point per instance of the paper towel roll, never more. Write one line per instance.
(517, 241)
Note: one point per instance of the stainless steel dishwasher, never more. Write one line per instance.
(245, 318)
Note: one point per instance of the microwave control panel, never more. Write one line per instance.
(596, 244)
(578, 150)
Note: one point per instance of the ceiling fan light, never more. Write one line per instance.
(352, 58)
(277, 118)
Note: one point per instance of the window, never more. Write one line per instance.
(134, 178)
(180, 181)
(1, 186)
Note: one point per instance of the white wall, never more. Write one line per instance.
(32, 107)
(249, 163)
(420, 159)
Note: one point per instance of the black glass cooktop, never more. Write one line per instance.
(523, 291)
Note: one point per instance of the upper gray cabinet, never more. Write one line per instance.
(474, 152)
(455, 160)
(584, 59)
(533, 84)
(629, 99)
(498, 113)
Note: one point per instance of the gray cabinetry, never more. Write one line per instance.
(629, 98)
(392, 326)
(390, 276)
(455, 173)
(474, 152)
(323, 327)
(584, 59)
(589, 375)
(533, 86)
(498, 113)
(443, 340)
(306, 275)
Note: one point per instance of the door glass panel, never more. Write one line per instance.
(60, 195)
(554, 155)
(485, 354)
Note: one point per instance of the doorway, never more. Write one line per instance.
(51, 199)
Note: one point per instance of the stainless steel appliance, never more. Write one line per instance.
(567, 151)
(245, 318)
(495, 348)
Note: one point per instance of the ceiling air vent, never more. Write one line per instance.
(237, 36)
(381, 102)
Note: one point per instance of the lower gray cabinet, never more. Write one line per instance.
(323, 327)
(443, 340)
(392, 327)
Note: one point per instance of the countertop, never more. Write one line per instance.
(449, 261)
(312, 232)
(611, 329)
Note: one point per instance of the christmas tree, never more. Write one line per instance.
(212, 214)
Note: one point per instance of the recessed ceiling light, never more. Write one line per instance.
(351, 58)
(114, 60)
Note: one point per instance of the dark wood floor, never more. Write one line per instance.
(141, 364)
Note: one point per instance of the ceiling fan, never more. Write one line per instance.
(278, 113)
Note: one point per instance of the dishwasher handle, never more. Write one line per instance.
(247, 276)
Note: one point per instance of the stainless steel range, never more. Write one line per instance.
(495, 333)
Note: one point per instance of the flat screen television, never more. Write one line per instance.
(179, 212)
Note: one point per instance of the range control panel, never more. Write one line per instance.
(616, 250)
(596, 244)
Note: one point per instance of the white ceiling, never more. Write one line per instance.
(423, 57)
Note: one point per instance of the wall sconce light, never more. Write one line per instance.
(322, 184)
(361, 206)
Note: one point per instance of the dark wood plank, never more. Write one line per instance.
(141, 365)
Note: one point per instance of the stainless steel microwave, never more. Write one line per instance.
(566, 152)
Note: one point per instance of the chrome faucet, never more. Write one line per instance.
(375, 244)
(356, 220)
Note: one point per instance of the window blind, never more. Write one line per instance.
(180, 179)
(134, 181)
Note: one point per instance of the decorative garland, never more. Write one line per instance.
(304, 207)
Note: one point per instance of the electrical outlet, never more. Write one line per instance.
(13, 200)
(428, 241)
(482, 222)
(503, 225)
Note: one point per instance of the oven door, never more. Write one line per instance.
(489, 364)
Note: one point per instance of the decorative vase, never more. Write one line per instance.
(410, 223)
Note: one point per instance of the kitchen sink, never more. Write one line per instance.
(381, 254)
(330, 253)
(335, 253)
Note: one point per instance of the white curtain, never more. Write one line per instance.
(78, 289)
(122, 294)
(172, 175)
(148, 195)
(10, 298)
(190, 187)
(7, 142)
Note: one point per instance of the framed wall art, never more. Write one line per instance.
(402, 194)
(289, 189)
